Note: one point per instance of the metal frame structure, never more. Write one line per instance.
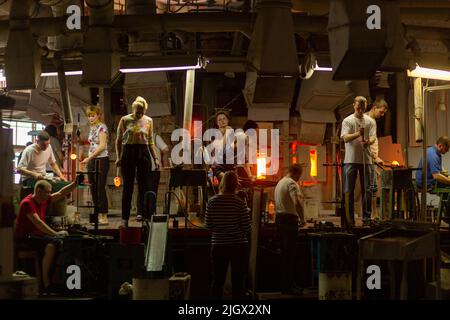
(425, 89)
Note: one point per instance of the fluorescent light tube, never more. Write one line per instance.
(67, 73)
(427, 73)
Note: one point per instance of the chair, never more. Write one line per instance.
(443, 194)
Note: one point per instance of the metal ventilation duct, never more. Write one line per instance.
(152, 86)
(101, 61)
(22, 57)
(48, 94)
(356, 51)
(62, 41)
(272, 53)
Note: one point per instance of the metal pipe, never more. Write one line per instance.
(321, 7)
(101, 12)
(64, 91)
(438, 88)
(194, 22)
(189, 100)
(334, 169)
(423, 203)
(418, 106)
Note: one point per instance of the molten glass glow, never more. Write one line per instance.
(117, 182)
(261, 166)
(313, 162)
(73, 156)
(395, 163)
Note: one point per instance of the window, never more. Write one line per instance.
(21, 130)
(21, 136)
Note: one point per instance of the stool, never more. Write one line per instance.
(443, 194)
(32, 255)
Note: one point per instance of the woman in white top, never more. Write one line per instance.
(220, 167)
(98, 152)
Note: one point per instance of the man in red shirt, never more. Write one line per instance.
(31, 228)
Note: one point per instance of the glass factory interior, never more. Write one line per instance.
(224, 149)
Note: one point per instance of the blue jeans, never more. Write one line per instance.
(365, 177)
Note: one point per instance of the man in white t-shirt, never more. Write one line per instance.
(359, 133)
(289, 217)
(155, 174)
(378, 110)
(35, 158)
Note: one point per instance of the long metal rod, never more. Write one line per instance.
(423, 203)
(437, 88)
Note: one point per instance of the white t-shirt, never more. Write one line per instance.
(354, 150)
(286, 193)
(34, 159)
(374, 146)
(160, 145)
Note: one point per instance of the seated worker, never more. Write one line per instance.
(434, 165)
(34, 160)
(289, 218)
(31, 229)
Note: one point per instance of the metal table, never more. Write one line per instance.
(401, 242)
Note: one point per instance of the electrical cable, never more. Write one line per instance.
(184, 210)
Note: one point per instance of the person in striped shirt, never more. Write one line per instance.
(227, 216)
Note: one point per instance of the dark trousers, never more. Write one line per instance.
(287, 228)
(351, 171)
(98, 188)
(155, 176)
(136, 159)
(221, 256)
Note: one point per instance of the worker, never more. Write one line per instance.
(435, 177)
(98, 153)
(225, 143)
(228, 218)
(378, 110)
(34, 160)
(134, 148)
(358, 132)
(31, 230)
(289, 218)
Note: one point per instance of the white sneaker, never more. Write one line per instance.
(103, 219)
